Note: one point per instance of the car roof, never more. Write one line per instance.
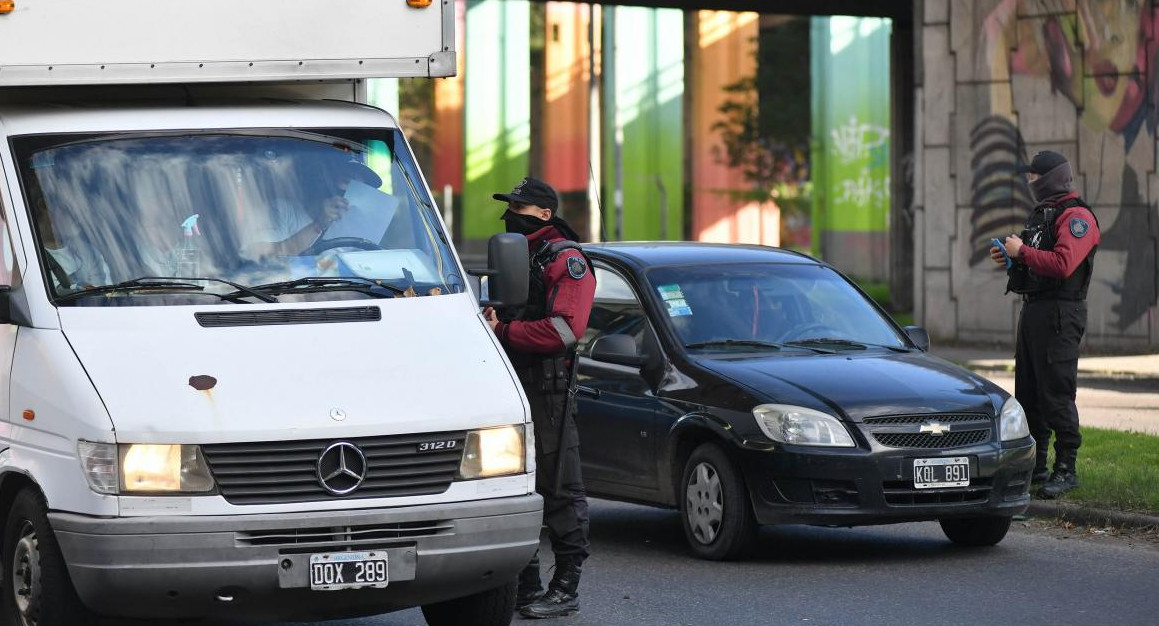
(642, 254)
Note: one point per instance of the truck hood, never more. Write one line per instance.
(430, 364)
(859, 385)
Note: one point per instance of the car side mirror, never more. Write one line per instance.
(617, 349)
(919, 336)
(508, 271)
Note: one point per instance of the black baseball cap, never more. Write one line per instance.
(356, 170)
(1042, 163)
(532, 191)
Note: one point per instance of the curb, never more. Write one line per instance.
(1087, 516)
(1142, 382)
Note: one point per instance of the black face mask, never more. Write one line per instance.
(522, 224)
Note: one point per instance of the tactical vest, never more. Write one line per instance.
(547, 373)
(1039, 234)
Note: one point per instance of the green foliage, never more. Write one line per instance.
(764, 123)
(1118, 471)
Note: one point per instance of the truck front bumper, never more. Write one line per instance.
(257, 566)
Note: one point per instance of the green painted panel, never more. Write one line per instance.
(850, 159)
(498, 108)
(645, 117)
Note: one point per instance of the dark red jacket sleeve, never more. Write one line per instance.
(569, 301)
(1076, 234)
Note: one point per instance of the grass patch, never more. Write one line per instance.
(1117, 470)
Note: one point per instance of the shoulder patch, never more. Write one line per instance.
(1079, 227)
(576, 267)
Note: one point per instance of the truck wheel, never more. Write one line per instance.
(494, 607)
(976, 531)
(714, 506)
(36, 589)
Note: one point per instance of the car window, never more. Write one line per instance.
(615, 310)
(771, 303)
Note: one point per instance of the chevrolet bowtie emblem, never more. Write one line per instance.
(935, 429)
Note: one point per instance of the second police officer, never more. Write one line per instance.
(540, 341)
(1053, 261)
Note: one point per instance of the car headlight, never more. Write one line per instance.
(493, 452)
(144, 468)
(1012, 421)
(802, 427)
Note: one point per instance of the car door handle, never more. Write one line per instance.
(587, 391)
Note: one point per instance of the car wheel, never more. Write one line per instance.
(36, 589)
(715, 507)
(976, 531)
(494, 607)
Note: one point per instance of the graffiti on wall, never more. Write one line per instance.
(1102, 59)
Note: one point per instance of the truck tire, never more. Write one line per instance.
(36, 589)
(714, 506)
(494, 607)
(976, 532)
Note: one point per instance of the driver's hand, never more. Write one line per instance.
(492, 317)
(332, 210)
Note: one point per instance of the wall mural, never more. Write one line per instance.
(1100, 58)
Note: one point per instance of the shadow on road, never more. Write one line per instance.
(636, 530)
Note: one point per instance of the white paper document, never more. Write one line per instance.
(368, 213)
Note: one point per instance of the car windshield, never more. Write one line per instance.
(246, 213)
(767, 306)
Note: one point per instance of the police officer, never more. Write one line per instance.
(1053, 263)
(540, 341)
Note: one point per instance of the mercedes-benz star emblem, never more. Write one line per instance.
(341, 468)
(936, 429)
(337, 415)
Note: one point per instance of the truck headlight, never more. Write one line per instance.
(144, 468)
(493, 452)
(801, 427)
(1012, 421)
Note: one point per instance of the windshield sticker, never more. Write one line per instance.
(674, 300)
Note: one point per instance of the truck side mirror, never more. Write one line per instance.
(508, 271)
(919, 336)
(13, 307)
(617, 349)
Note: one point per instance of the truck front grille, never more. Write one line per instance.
(343, 536)
(287, 471)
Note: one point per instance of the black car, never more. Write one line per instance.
(748, 385)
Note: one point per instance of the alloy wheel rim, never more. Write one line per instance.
(704, 506)
(26, 575)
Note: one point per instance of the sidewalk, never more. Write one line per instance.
(1143, 368)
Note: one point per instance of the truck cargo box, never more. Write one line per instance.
(65, 42)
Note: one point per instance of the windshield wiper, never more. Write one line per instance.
(826, 341)
(748, 343)
(164, 283)
(311, 284)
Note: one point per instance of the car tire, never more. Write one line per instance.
(975, 532)
(36, 588)
(494, 607)
(715, 508)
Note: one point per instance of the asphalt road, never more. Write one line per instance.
(640, 575)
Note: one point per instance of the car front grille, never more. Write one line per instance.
(287, 471)
(953, 430)
(902, 493)
(956, 439)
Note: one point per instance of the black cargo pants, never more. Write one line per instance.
(1046, 373)
(557, 465)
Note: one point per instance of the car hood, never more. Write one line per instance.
(430, 364)
(861, 385)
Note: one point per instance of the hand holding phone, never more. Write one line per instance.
(1001, 246)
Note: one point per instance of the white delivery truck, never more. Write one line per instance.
(242, 370)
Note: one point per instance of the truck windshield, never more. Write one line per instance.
(252, 210)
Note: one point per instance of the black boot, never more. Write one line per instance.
(1061, 481)
(562, 597)
(530, 588)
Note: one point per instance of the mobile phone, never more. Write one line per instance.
(1001, 246)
